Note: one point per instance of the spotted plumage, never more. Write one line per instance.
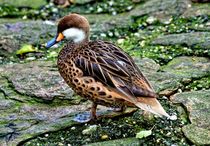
(102, 72)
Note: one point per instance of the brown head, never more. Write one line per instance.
(72, 27)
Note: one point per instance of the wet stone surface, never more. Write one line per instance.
(17, 33)
(38, 79)
(193, 39)
(189, 67)
(24, 3)
(197, 104)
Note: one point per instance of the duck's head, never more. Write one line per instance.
(71, 27)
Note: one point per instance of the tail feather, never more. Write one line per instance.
(152, 105)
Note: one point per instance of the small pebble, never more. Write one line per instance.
(151, 20)
(103, 137)
(168, 134)
(179, 90)
(30, 58)
(89, 130)
(110, 34)
(136, 34)
(49, 22)
(55, 10)
(103, 35)
(110, 3)
(99, 9)
(142, 43)
(168, 21)
(24, 17)
(114, 13)
(174, 117)
(120, 41)
(129, 7)
(73, 128)
(208, 23)
(60, 144)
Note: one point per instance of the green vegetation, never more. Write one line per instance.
(138, 37)
(24, 3)
(46, 12)
(40, 10)
(103, 6)
(199, 84)
(164, 132)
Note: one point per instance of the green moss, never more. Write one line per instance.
(46, 12)
(9, 11)
(122, 142)
(183, 25)
(198, 135)
(199, 84)
(138, 37)
(103, 6)
(41, 10)
(26, 3)
(165, 132)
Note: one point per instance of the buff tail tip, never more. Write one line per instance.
(158, 110)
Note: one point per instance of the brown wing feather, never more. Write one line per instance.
(108, 64)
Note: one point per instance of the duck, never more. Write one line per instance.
(100, 71)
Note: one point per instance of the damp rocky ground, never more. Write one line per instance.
(169, 41)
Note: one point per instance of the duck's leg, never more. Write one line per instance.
(122, 109)
(93, 111)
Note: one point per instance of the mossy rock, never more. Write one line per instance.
(16, 32)
(121, 142)
(197, 135)
(24, 3)
(198, 9)
(197, 104)
(197, 40)
(189, 67)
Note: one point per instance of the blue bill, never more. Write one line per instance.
(51, 43)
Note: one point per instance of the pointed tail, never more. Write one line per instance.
(152, 105)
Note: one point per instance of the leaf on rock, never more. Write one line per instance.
(144, 133)
(26, 48)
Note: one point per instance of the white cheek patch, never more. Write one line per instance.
(75, 34)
